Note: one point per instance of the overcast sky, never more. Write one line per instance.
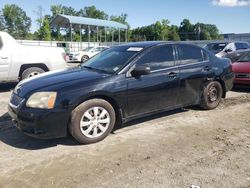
(230, 16)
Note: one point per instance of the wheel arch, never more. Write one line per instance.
(118, 110)
(26, 66)
(223, 87)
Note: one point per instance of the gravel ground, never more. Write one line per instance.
(175, 149)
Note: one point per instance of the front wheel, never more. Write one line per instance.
(84, 58)
(92, 121)
(211, 96)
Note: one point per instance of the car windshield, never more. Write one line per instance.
(245, 58)
(215, 46)
(87, 49)
(111, 60)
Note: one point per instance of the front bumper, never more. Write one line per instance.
(39, 123)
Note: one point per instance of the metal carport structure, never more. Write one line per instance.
(79, 23)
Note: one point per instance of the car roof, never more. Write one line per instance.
(148, 44)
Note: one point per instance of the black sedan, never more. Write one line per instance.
(116, 86)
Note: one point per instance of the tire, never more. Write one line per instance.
(30, 72)
(211, 96)
(84, 58)
(92, 121)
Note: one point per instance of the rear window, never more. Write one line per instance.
(189, 54)
(241, 46)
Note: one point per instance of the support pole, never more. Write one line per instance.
(97, 31)
(88, 36)
(112, 36)
(119, 35)
(105, 35)
(100, 36)
(126, 37)
(80, 37)
(71, 35)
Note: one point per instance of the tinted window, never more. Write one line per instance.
(241, 46)
(245, 58)
(189, 54)
(205, 55)
(158, 57)
(98, 49)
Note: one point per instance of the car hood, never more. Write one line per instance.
(241, 67)
(65, 76)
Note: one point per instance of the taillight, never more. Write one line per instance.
(65, 57)
(231, 66)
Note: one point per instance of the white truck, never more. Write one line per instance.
(18, 62)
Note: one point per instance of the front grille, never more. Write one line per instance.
(242, 75)
(15, 99)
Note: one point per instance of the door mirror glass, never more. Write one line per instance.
(140, 70)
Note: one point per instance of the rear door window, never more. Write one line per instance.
(159, 57)
(190, 54)
(241, 46)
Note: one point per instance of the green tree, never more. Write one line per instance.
(15, 21)
(208, 31)
(123, 20)
(187, 30)
(60, 9)
(93, 12)
(173, 33)
(1, 22)
(44, 33)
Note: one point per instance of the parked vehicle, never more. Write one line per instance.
(235, 56)
(215, 47)
(18, 62)
(118, 85)
(232, 47)
(241, 68)
(84, 55)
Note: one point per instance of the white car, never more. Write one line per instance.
(84, 55)
(18, 62)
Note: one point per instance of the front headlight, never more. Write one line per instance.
(43, 100)
(76, 55)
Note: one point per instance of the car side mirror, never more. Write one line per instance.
(140, 70)
(228, 50)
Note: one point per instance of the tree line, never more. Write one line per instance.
(15, 21)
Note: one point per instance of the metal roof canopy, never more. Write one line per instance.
(80, 23)
(61, 20)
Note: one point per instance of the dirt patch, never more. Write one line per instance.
(175, 149)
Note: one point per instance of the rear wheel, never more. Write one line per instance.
(30, 72)
(211, 96)
(92, 121)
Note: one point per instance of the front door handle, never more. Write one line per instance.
(172, 75)
(4, 57)
(207, 68)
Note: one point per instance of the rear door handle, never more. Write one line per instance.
(172, 75)
(4, 57)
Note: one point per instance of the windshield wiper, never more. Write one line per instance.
(95, 69)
